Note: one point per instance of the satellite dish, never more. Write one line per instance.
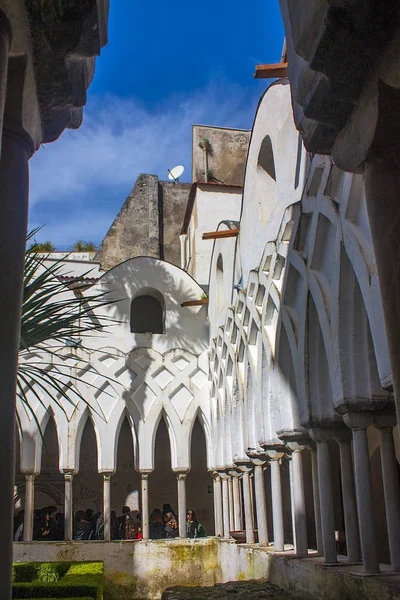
(175, 173)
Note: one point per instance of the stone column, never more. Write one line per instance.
(237, 502)
(298, 499)
(68, 506)
(219, 528)
(391, 488)
(145, 507)
(225, 504)
(382, 184)
(107, 506)
(231, 509)
(16, 149)
(29, 506)
(248, 513)
(261, 503)
(359, 423)
(181, 478)
(321, 436)
(277, 505)
(317, 505)
(349, 498)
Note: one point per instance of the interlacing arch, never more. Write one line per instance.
(286, 320)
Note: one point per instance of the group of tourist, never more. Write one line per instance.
(48, 525)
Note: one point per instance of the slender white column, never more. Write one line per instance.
(277, 505)
(364, 501)
(145, 507)
(248, 513)
(219, 529)
(326, 501)
(349, 501)
(181, 477)
(317, 505)
(225, 505)
(391, 488)
(237, 503)
(231, 509)
(261, 505)
(29, 506)
(298, 501)
(68, 506)
(107, 506)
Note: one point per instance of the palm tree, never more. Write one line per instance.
(55, 314)
(42, 247)
(83, 246)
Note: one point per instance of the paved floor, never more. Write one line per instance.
(244, 590)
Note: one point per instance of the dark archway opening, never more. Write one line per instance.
(199, 484)
(147, 314)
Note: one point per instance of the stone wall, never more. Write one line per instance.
(141, 570)
(148, 224)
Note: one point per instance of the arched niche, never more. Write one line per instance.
(319, 382)
(199, 496)
(162, 481)
(220, 283)
(266, 157)
(88, 488)
(148, 312)
(125, 481)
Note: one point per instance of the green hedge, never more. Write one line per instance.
(51, 581)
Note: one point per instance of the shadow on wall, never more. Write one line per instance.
(173, 292)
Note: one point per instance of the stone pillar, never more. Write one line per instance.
(68, 506)
(382, 184)
(16, 149)
(237, 502)
(248, 512)
(349, 498)
(391, 488)
(298, 499)
(29, 506)
(359, 423)
(145, 507)
(317, 505)
(277, 505)
(261, 503)
(181, 478)
(107, 506)
(225, 505)
(325, 494)
(219, 529)
(231, 509)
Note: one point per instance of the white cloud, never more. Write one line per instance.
(118, 140)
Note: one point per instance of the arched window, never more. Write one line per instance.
(147, 312)
(266, 157)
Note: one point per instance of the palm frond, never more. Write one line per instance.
(55, 313)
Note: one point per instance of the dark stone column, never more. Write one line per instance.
(382, 191)
(14, 186)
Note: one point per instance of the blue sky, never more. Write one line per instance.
(168, 64)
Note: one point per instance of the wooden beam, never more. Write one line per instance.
(216, 235)
(195, 302)
(270, 71)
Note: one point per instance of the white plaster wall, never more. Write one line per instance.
(213, 204)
